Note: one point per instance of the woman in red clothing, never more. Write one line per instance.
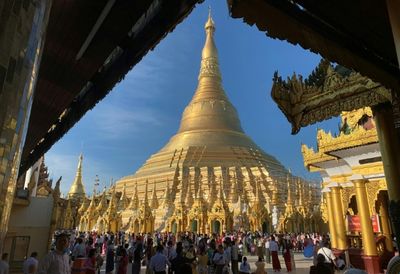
(273, 247)
(123, 263)
(90, 263)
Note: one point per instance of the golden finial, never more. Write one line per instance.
(210, 22)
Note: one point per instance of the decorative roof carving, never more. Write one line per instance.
(325, 93)
(356, 135)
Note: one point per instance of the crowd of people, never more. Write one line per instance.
(181, 253)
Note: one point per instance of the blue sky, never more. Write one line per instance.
(139, 116)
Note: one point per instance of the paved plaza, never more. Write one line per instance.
(302, 265)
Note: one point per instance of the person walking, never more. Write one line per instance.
(4, 267)
(235, 257)
(260, 247)
(57, 261)
(210, 253)
(150, 252)
(219, 260)
(308, 247)
(267, 251)
(273, 247)
(287, 246)
(202, 258)
(123, 262)
(110, 257)
(31, 264)
(159, 262)
(137, 258)
(90, 263)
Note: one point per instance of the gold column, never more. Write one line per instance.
(383, 212)
(341, 239)
(21, 41)
(370, 256)
(365, 218)
(331, 221)
(390, 151)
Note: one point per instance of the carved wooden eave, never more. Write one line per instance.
(311, 157)
(358, 137)
(304, 102)
(328, 143)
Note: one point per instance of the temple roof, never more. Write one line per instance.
(355, 34)
(89, 47)
(327, 144)
(325, 93)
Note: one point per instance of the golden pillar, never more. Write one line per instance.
(370, 257)
(331, 221)
(340, 230)
(390, 151)
(383, 212)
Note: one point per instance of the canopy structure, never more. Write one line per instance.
(355, 34)
(325, 93)
(89, 47)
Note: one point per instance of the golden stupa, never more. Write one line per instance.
(77, 190)
(210, 156)
(209, 178)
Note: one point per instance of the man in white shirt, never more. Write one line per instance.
(4, 267)
(31, 264)
(328, 254)
(57, 261)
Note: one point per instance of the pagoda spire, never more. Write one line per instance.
(301, 189)
(209, 113)
(289, 196)
(167, 196)
(77, 190)
(134, 204)
(146, 198)
(112, 205)
(154, 200)
(84, 206)
(102, 206)
(92, 205)
(124, 200)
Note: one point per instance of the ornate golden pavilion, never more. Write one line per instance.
(209, 177)
(355, 165)
(354, 185)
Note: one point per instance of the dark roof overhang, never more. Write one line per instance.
(90, 46)
(356, 34)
